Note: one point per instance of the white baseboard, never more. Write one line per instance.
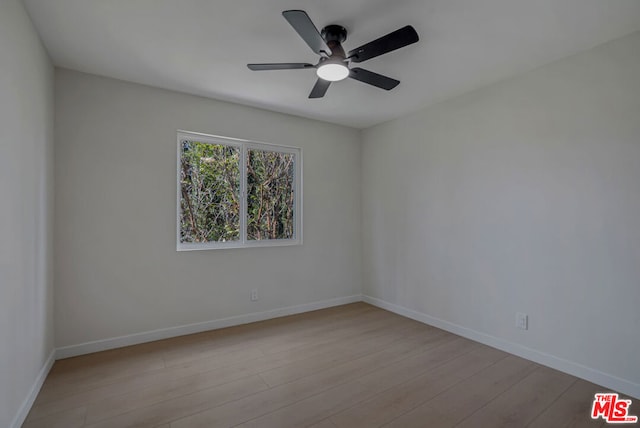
(33, 392)
(592, 375)
(166, 333)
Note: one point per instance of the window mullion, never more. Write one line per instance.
(243, 194)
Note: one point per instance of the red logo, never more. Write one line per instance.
(612, 409)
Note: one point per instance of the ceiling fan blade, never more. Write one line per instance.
(374, 79)
(392, 41)
(320, 88)
(303, 25)
(280, 66)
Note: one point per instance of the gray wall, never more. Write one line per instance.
(117, 270)
(520, 197)
(26, 179)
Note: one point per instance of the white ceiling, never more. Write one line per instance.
(202, 46)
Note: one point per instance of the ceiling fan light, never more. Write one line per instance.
(333, 71)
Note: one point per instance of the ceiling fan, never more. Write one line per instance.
(334, 62)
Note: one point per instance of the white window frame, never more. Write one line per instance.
(243, 145)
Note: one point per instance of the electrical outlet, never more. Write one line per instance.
(522, 321)
(254, 294)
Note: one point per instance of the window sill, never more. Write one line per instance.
(238, 244)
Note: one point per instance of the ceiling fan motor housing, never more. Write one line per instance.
(334, 33)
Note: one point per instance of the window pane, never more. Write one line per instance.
(270, 195)
(209, 192)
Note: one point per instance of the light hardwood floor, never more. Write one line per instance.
(348, 366)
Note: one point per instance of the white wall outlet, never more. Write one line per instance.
(522, 321)
(254, 294)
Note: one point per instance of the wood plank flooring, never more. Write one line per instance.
(343, 367)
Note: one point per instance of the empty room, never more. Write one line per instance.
(328, 214)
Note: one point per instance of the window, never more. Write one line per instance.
(236, 193)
